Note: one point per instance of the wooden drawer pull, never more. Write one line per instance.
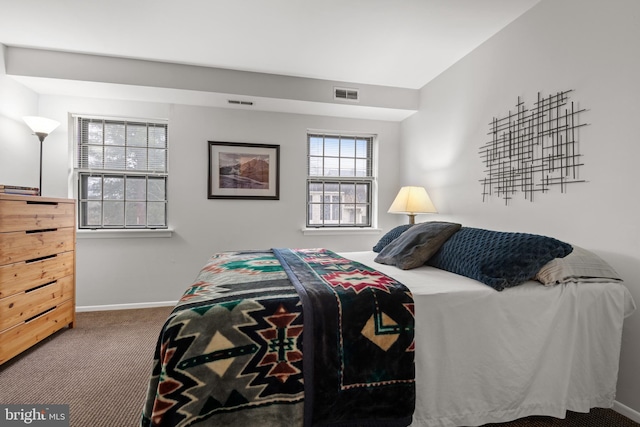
(39, 315)
(38, 287)
(45, 230)
(34, 202)
(41, 258)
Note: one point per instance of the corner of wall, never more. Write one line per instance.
(3, 55)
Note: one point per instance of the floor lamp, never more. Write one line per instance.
(42, 127)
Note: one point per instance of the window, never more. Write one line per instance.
(121, 167)
(340, 181)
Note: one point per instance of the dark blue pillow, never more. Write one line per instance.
(498, 259)
(391, 236)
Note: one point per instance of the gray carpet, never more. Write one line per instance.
(101, 368)
(597, 417)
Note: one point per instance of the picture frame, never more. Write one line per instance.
(239, 170)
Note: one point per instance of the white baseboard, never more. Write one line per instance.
(125, 306)
(626, 411)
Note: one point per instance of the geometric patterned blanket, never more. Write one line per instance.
(231, 351)
(366, 321)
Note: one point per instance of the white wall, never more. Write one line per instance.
(591, 47)
(139, 270)
(19, 149)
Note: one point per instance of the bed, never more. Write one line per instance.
(450, 347)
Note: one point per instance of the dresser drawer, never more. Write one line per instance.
(22, 276)
(24, 335)
(20, 215)
(25, 245)
(20, 307)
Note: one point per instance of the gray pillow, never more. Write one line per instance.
(417, 244)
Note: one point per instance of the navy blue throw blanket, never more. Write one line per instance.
(358, 341)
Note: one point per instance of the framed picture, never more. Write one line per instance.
(244, 171)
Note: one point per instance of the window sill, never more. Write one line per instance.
(340, 231)
(123, 234)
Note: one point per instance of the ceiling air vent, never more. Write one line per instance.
(345, 94)
(236, 102)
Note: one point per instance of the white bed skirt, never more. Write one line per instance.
(484, 356)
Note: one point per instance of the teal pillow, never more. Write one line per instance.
(498, 259)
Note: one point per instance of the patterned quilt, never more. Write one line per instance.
(231, 352)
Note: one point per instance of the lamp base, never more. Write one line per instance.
(412, 218)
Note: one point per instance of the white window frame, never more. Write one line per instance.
(82, 169)
(370, 180)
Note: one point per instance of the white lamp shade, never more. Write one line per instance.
(412, 200)
(41, 124)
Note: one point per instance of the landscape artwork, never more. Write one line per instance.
(243, 171)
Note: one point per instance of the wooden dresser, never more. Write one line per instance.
(37, 270)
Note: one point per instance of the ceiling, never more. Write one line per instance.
(402, 43)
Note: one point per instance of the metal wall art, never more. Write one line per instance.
(532, 149)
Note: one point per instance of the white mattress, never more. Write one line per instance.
(484, 356)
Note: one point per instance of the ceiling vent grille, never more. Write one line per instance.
(237, 102)
(346, 94)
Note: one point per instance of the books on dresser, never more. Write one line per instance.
(18, 189)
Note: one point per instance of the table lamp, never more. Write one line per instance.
(412, 201)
